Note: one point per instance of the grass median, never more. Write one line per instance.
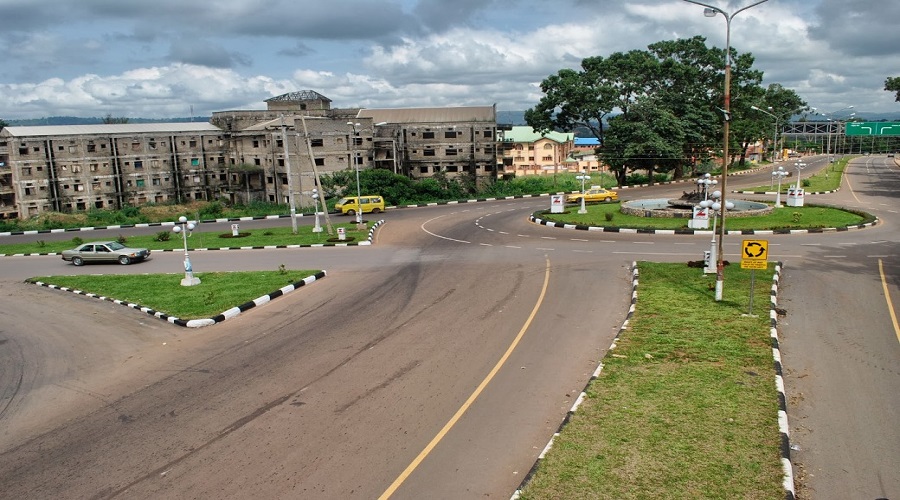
(165, 239)
(217, 292)
(686, 404)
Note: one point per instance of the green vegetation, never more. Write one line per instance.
(272, 236)
(217, 292)
(684, 408)
(785, 218)
(828, 179)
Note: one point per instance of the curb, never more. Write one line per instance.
(788, 480)
(783, 428)
(197, 323)
(583, 395)
(366, 242)
(602, 229)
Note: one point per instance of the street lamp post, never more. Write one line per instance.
(290, 182)
(711, 11)
(775, 135)
(830, 119)
(583, 177)
(715, 206)
(185, 228)
(778, 174)
(799, 166)
(356, 165)
(315, 196)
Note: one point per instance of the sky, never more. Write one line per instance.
(169, 58)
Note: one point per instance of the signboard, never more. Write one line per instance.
(755, 250)
(754, 264)
(556, 204)
(872, 128)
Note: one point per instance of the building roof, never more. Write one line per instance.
(300, 95)
(486, 114)
(527, 134)
(108, 129)
(586, 142)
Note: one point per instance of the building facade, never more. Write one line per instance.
(526, 152)
(239, 156)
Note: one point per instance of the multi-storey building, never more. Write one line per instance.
(239, 156)
(526, 152)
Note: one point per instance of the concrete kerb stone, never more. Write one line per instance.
(366, 242)
(784, 430)
(197, 323)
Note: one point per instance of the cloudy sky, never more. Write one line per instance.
(162, 58)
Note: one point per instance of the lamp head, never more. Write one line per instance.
(710, 12)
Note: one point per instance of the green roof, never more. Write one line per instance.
(527, 134)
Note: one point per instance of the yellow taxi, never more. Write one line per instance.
(595, 193)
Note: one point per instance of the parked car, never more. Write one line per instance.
(595, 193)
(105, 251)
(890, 155)
(349, 205)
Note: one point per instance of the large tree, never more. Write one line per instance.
(892, 84)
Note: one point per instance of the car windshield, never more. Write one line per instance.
(342, 201)
(115, 245)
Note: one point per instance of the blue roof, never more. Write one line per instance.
(587, 141)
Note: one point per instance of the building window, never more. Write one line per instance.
(450, 134)
(316, 143)
(320, 162)
(135, 146)
(62, 148)
(195, 161)
(279, 143)
(281, 162)
(255, 143)
(140, 183)
(428, 135)
(155, 182)
(452, 168)
(137, 164)
(488, 134)
(423, 170)
(152, 145)
(193, 143)
(546, 158)
(256, 161)
(91, 148)
(94, 167)
(451, 152)
(428, 152)
(26, 170)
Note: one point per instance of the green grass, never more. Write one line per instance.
(807, 217)
(217, 292)
(257, 237)
(828, 179)
(686, 404)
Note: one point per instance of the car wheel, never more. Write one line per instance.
(78, 261)
(124, 260)
(351, 212)
(376, 210)
(607, 199)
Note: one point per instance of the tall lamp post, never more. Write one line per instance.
(185, 229)
(290, 183)
(711, 11)
(583, 177)
(356, 165)
(315, 196)
(775, 135)
(831, 126)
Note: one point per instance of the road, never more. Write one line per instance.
(436, 363)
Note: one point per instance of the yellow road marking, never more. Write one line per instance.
(478, 390)
(887, 296)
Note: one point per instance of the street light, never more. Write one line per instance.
(799, 166)
(583, 177)
(185, 228)
(778, 174)
(287, 166)
(315, 196)
(716, 206)
(775, 135)
(711, 11)
(356, 165)
(830, 126)
(703, 184)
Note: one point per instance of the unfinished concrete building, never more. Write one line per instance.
(240, 156)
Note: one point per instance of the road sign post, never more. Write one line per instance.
(754, 255)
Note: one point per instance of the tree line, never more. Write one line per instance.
(660, 109)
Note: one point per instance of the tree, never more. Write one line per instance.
(892, 84)
(109, 119)
(649, 137)
(3, 124)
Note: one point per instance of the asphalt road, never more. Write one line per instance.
(435, 363)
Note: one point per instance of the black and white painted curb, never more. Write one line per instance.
(582, 227)
(198, 323)
(583, 395)
(784, 430)
(366, 242)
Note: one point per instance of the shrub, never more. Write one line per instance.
(77, 241)
(163, 236)
(122, 239)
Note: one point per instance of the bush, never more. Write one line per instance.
(77, 241)
(163, 236)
